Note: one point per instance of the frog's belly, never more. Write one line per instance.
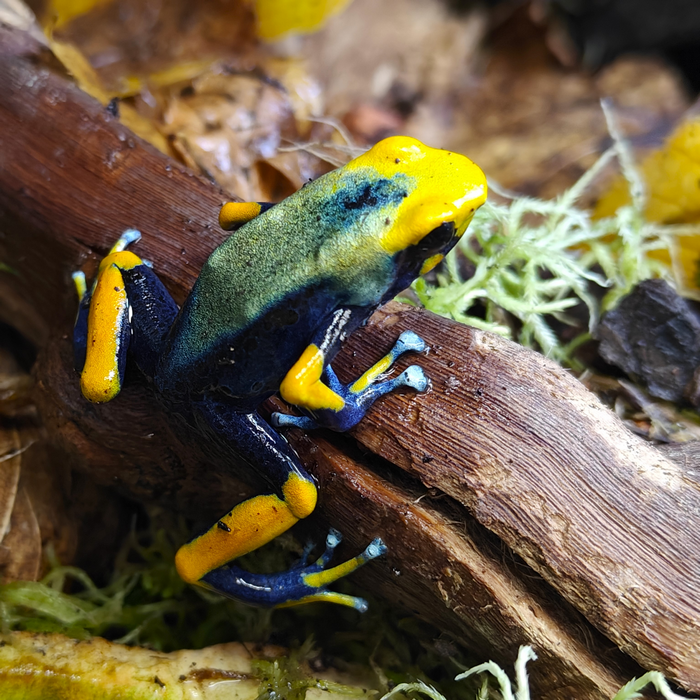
(249, 363)
(260, 361)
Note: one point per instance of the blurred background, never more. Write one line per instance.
(258, 96)
(235, 87)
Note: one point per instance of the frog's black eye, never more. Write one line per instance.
(439, 238)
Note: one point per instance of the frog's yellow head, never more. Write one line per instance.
(448, 189)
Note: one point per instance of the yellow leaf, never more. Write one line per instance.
(79, 67)
(59, 12)
(672, 177)
(87, 79)
(279, 17)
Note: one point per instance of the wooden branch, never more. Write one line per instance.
(519, 446)
(442, 565)
(536, 458)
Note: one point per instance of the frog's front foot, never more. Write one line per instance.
(363, 392)
(303, 583)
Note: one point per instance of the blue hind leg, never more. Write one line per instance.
(204, 561)
(362, 393)
(303, 583)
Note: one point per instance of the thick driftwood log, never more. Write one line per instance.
(607, 520)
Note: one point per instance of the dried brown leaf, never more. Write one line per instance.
(10, 469)
(131, 40)
(46, 478)
(23, 540)
(15, 393)
(396, 51)
(227, 124)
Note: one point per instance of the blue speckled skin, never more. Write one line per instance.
(305, 272)
(311, 255)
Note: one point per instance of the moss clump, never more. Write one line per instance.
(536, 259)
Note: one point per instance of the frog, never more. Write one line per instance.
(269, 311)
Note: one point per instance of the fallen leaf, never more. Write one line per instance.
(36, 666)
(145, 43)
(35, 483)
(535, 126)
(276, 18)
(672, 176)
(397, 54)
(10, 470)
(230, 127)
(87, 78)
(23, 540)
(58, 13)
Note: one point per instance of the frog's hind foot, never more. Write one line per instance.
(303, 583)
(363, 392)
(318, 577)
(333, 539)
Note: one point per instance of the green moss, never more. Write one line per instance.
(536, 259)
(146, 603)
(285, 679)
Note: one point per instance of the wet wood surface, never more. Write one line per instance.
(517, 509)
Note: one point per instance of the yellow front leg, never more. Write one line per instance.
(302, 386)
(233, 215)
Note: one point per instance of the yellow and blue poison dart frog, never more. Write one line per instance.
(268, 313)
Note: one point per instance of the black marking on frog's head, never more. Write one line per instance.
(369, 195)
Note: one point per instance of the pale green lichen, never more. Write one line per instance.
(629, 691)
(535, 259)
